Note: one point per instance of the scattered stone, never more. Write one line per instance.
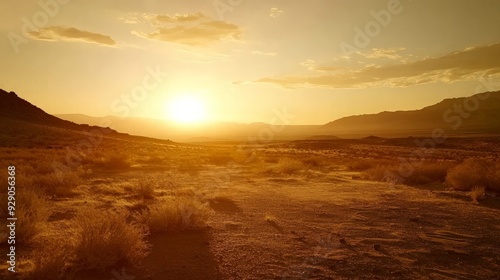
(342, 240)
(377, 247)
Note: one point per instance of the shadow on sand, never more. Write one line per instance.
(179, 256)
(184, 256)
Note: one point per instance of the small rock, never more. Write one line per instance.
(342, 240)
(377, 247)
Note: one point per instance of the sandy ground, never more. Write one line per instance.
(316, 223)
(328, 226)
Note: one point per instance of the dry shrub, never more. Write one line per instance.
(145, 188)
(429, 172)
(32, 211)
(186, 192)
(474, 172)
(477, 193)
(53, 259)
(108, 189)
(154, 159)
(106, 238)
(270, 218)
(63, 185)
(383, 173)
(314, 161)
(113, 161)
(175, 215)
(59, 182)
(288, 166)
(419, 173)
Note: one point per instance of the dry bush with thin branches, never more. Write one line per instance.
(420, 173)
(55, 185)
(363, 164)
(145, 188)
(474, 172)
(288, 166)
(113, 161)
(175, 215)
(32, 212)
(53, 259)
(106, 238)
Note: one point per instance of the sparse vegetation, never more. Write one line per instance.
(32, 212)
(474, 172)
(288, 166)
(113, 161)
(422, 173)
(175, 215)
(270, 219)
(145, 188)
(54, 185)
(53, 260)
(106, 238)
(477, 193)
(172, 190)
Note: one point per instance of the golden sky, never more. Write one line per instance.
(244, 59)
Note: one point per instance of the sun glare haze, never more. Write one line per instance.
(186, 109)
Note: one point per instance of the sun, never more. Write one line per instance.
(186, 109)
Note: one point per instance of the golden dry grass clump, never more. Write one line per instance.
(477, 193)
(420, 173)
(98, 240)
(112, 161)
(32, 212)
(288, 166)
(106, 238)
(365, 164)
(62, 186)
(175, 215)
(52, 259)
(145, 188)
(474, 172)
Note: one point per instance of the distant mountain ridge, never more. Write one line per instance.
(458, 115)
(483, 120)
(14, 108)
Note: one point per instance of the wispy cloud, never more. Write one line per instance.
(264, 53)
(391, 53)
(62, 33)
(190, 29)
(457, 66)
(179, 18)
(275, 12)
